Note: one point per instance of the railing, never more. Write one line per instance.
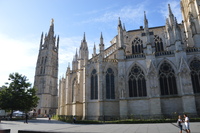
(190, 50)
(135, 56)
(110, 50)
(163, 53)
(110, 60)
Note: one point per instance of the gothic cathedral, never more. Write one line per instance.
(46, 73)
(150, 71)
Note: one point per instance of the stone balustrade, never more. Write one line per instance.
(163, 53)
(141, 55)
(190, 50)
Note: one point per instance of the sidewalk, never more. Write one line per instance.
(43, 124)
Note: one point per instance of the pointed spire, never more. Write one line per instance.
(84, 40)
(124, 28)
(101, 39)
(68, 65)
(52, 21)
(101, 45)
(58, 42)
(169, 8)
(41, 41)
(145, 21)
(176, 21)
(119, 22)
(94, 50)
(171, 15)
(51, 26)
(76, 55)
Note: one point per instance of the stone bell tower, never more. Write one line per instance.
(46, 73)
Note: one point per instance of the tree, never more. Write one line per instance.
(18, 94)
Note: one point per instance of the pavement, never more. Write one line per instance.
(43, 124)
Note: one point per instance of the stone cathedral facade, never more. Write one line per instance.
(147, 71)
(46, 73)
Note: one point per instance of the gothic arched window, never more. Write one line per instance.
(94, 85)
(195, 75)
(158, 44)
(137, 46)
(137, 83)
(110, 84)
(167, 79)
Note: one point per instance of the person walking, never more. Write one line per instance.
(49, 117)
(187, 125)
(179, 122)
(26, 118)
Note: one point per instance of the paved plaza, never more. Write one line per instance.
(43, 124)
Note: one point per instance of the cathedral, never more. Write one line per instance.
(150, 71)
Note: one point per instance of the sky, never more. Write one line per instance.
(23, 21)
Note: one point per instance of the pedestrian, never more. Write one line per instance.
(187, 125)
(74, 119)
(49, 117)
(26, 118)
(179, 123)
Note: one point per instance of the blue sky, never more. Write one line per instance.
(23, 21)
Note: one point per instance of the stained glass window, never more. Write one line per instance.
(167, 79)
(137, 82)
(94, 85)
(110, 84)
(195, 75)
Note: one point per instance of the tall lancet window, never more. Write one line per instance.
(158, 44)
(110, 84)
(94, 85)
(137, 82)
(167, 79)
(137, 46)
(73, 89)
(195, 75)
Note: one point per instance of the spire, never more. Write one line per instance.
(76, 55)
(58, 42)
(101, 45)
(52, 21)
(146, 27)
(124, 27)
(119, 22)
(171, 15)
(84, 40)
(101, 39)
(145, 20)
(51, 26)
(170, 11)
(41, 41)
(94, 50)
(68, 68)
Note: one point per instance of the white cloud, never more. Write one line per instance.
(129, 14)
(17, 56)
(175, 7)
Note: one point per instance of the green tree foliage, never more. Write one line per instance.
(18, 94)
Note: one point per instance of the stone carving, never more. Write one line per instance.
(192, 23)
(184, 72)
(153, 79)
